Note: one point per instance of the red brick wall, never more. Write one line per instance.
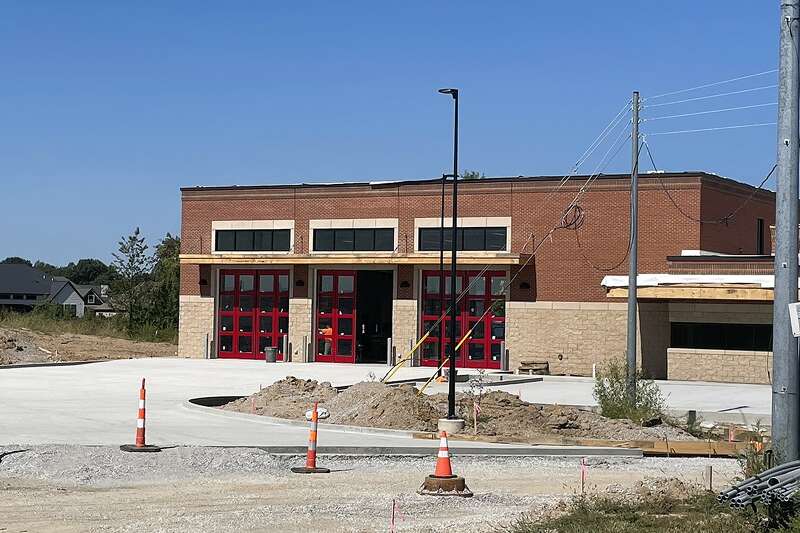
(739, 235)
(561, 270)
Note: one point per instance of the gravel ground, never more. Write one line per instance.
(101, 489)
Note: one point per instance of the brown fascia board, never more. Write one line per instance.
(290, 190)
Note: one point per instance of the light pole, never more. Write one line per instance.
(451, 396)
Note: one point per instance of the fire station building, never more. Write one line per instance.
(349, 273)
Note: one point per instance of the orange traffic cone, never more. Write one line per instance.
(443, 482)
(443, 467)
(140, 445)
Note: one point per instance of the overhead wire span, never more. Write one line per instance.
(709, 112)
(611, 126)
(714, 84)
(722, 220)
(570, 218)
(630, 235)
(709, 96)
(718, 128)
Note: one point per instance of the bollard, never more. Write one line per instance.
(709, 476)
(140, 445)
(311, 455)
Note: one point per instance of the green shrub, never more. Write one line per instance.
(610, 392)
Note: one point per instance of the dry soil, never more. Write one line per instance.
(502, 415)
(26, 346)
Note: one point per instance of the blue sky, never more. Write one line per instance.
(107, 108)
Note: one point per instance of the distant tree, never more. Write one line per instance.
(14, 260)
(90, 272)
(47, 268)
(133, 265)
(163, 301)
(472, 175)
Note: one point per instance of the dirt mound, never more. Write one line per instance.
(505, 415)
(288, 398)
(377, 405)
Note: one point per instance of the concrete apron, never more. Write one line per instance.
(415, 447)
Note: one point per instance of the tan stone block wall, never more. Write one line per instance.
(582, 333)
(196, 320)
(729, 366)
(300, 328)
(404, 326)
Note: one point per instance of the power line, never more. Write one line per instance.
(721, 220)
(710, 112)
(630, 235)
(700, 130)
(718, 95)
(713, 84)
(611, 126)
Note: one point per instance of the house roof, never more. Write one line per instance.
(23, 279)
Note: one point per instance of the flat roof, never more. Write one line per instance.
(499, 179)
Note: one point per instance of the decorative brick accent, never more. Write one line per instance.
(728, 366)
(300, 328)
(196, 320)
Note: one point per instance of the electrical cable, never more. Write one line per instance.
(719, 128)
(611, 126)
(570, 218)
(718, 95)
(704, 86)
(721, 220)
(709, 112)
(630, 234)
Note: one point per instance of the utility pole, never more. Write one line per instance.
(441, 274)
(634, 253)
(785, 407)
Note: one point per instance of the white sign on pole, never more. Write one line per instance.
(794, 316)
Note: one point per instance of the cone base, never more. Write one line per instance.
(444, 486)
(307, 470)
(134, 448)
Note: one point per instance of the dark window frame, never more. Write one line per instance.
(471, 239)
(353, 240)
(760, 248)
(253, 240)
(722, 336)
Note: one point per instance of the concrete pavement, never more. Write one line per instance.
(96, 403)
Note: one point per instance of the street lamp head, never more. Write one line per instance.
(450, 91)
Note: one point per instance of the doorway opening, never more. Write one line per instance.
(374, 311)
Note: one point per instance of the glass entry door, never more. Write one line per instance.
(335, 325)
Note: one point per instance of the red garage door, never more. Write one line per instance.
(486, 291)
(253, 312)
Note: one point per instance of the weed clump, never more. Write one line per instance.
(610, 392)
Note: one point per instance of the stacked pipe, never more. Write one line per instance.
(778, 484)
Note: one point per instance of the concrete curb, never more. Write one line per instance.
(455, 449)
(297, 423)
(54, 363)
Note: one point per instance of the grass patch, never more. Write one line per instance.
(47, 321)
(662, 514)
